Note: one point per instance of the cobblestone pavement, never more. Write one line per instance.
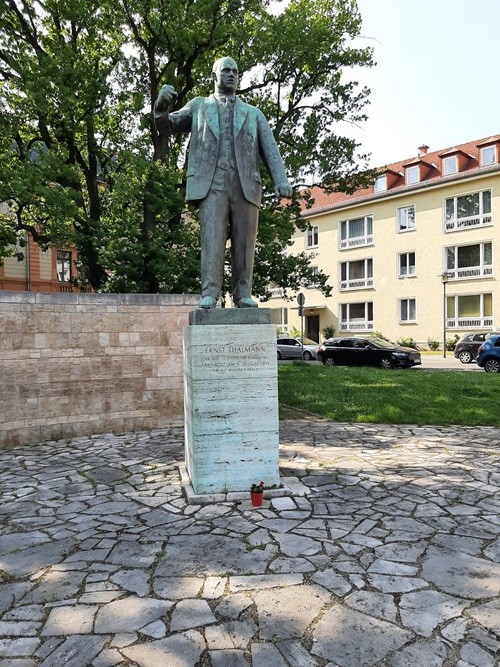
(390, 557)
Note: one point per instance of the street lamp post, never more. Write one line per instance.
(444, 280)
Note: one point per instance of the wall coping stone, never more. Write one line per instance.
(85, 298)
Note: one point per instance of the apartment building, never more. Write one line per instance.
(415, 255)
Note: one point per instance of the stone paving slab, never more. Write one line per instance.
(385, 550)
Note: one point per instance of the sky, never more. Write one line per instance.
(437, 78)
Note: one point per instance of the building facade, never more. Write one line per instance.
(417, 255)
(52, 270)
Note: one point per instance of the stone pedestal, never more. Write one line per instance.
(231, 400)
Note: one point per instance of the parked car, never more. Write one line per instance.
(366, 351)
(489, 354)
(467, 346)
(291, 348)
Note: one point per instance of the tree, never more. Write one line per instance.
(84, 164)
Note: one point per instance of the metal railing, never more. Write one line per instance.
(465, 223)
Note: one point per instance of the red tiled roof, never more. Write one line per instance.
(325, 201)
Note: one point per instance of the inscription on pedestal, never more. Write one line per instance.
(240, 358)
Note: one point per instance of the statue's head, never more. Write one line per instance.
(225, 75)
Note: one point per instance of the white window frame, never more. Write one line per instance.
(408, 319)
(380, 184)
(356, 283)
(484, 151)
(279, 317)
(64, 262)
(412, 175)
(480, 322)
(458, 224)
(409, 273)
(450, 165)
(402, 212)
(312, 236)
(356, 241)
(313, 284)
(356, 325)
(483, 270)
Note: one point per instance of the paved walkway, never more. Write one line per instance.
(391, 557)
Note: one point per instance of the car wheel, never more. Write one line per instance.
(279, 355)
(307, 356)
(492, 366)
(329, 361)
(465, 357)
(385, 362)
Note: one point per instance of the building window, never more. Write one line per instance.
(411, 174)
(63, 266)
(380, 183)
(279, 317)
(469, 311)
(312, 236)
(313, 282)
(356, 316)
(356, 275)
(406, 218)
(407, 310)
(406, 264)
(450, 165)
(469, 261)
(468, 211)
(356, 232)
(488, 155)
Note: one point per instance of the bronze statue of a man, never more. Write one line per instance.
(223, 179)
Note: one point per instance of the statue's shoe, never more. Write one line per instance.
(246, 302)
(207, 302)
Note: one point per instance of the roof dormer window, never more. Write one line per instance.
(488, 155)
(454, 161)
(450, 165)
(412, 174)
(380, 184)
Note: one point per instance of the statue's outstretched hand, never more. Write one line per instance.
(283, 191)
(166, 96)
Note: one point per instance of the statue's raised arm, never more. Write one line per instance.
(228, 138)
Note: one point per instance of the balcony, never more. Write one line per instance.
(356, 242)
(357, 283)
(470, 272)
(457, 224)
(276, 292)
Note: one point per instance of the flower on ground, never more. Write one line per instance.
(257, 488)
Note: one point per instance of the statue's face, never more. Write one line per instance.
(225, 75)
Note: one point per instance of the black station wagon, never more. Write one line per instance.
(367, 351)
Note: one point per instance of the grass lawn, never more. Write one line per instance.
(349, 394)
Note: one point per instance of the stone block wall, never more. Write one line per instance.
(79, 364)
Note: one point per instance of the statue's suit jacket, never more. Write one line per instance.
(253, 138)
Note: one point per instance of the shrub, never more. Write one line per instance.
(381, 335)
(328, 331)
(450, 344)
(433, 344)
(407, 342)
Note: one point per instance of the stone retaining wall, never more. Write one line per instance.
(79, 364)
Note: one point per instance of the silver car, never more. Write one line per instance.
(291, 348)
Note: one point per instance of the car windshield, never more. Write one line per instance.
(380, 342)
(308, 341)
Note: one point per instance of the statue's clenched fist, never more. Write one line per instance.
(166, 96)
